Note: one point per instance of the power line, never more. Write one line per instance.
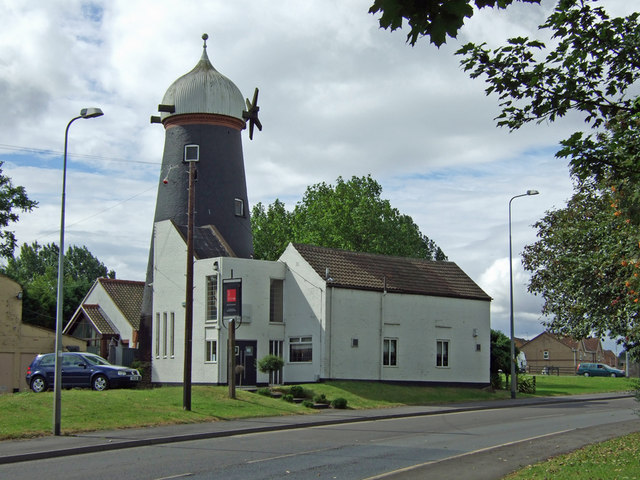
(43, 151)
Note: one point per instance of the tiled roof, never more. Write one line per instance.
(366, 271)
(101, 322)
(591, 344)
(127, 295)
(568, 341)
(207, 242)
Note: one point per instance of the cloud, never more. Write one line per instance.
(338, 97)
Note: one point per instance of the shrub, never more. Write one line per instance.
(308, 403)
(496, 381)
(339, 402)
(266, 391)
(320, 398)
(288, 398)
(270, 363)
(526, 384)
(297, 391)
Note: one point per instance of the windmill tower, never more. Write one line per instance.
(203, 113)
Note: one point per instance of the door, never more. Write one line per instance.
(246, 362)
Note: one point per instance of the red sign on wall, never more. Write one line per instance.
(232, 298)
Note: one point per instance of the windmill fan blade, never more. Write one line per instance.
(258, 124)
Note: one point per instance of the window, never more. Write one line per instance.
(545, 354)
(212, 349)
(300, 349)
(211, 345)
(157, 335)
(478, 347)
(172, 332)
(164, 334)
(276, 348)
(390, 352)
(442, 353)
(212, 298)
(275, 301)
(239, 207)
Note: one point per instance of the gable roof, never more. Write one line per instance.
(127, 295)
(367, 271)
(100, 321)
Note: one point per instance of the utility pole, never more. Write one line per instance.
(188, 310)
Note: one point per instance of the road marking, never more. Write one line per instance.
(291, 455)
(181, 475)
(486, 449)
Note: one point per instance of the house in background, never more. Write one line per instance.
(108, 319)
(21, 342)
(330, 314)
(548, 352)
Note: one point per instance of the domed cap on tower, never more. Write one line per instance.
(204, 90)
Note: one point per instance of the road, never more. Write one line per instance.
(472, 444)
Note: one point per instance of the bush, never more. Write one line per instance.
(288, 398)
(266, 391)
(308, 403)
(339, 402)
(270, 363)
(526, 384)
(297, 391)
(496, 381)
(320, 398)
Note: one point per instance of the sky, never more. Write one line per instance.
(338, 97)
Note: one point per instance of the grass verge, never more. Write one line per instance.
(613, 459)
(28, 414)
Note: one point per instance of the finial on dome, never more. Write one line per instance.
(205, 37)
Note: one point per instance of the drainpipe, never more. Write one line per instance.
(329, 312)
(381, 326)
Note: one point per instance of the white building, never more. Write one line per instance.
(330, 314)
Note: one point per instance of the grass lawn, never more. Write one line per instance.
(28, 414)
(615, 459)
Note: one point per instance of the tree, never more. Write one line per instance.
(36, 269)
(589, 70)
(431, 18)
(586, 262)
(12, 199)
(500, 357)
(350, 215)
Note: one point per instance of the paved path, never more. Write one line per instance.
(51, 446)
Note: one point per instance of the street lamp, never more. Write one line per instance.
(57, 380)
(513, 346)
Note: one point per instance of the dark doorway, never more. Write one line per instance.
(246, 362)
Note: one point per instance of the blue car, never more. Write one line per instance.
(79, 369)
(598, 370)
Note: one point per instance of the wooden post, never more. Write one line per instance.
(231, 360)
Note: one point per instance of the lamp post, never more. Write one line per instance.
(57, 380)
(513, 346)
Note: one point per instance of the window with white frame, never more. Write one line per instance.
(212, 298)
(239, 207)
(164, 334)
(211, 345)
(390, 352)
(276, 301)
(300, 349)
(172, 333)
(545, 354)
(442, 353)
(158, 335)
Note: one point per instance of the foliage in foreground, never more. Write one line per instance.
(13, 198)
(586, 264)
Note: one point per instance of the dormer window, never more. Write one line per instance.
(239, 207)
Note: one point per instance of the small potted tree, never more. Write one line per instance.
(270, 364)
